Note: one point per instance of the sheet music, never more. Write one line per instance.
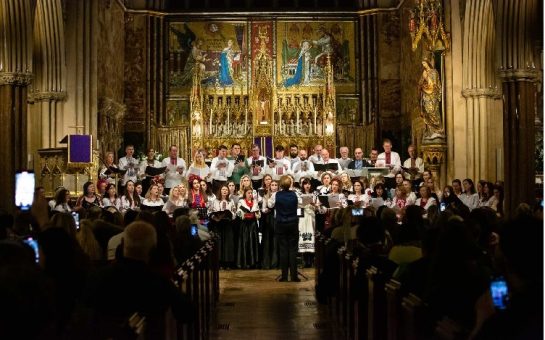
(307, 199)
(333, 200)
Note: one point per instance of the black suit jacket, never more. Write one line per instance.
(365, 164)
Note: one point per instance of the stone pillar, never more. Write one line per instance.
(434, 156)
(15, 76)
(517, 41)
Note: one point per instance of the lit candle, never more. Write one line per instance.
(315, 119)
(210, 128)
(245, 119)
(297, 120)
(228, 121)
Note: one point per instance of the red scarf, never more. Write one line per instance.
(249, 215)
(194, 197)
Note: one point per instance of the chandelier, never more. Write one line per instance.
(426, 22)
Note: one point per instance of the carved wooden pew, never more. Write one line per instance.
(393, 309)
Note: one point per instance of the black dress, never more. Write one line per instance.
(225, 211)
(248, 242)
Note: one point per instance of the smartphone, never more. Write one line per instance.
(34, 245)
(499, 292)
(194, 230)
(24, 189)
(443, 206)
(357, 211)
(75, 216)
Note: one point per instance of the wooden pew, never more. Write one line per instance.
(413, 309)
(376, 301)
(393, 309)
(448, 329)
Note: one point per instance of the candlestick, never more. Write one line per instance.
(245, 120)
(228, 125)
(315, 120)
(297, 120)
(210, 128)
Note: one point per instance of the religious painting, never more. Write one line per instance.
(348, 110)
(302, 48)
(262, 70)
(262, 33)
(178, 112)
(218, 49)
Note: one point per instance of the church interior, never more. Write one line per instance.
(460, 82)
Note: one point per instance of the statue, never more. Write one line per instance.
(430, 100)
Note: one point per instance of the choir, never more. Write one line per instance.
(235, 195)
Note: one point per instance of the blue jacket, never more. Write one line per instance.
(286, 207)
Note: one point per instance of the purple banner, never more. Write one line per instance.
(79, 149)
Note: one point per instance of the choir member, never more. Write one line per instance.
(248, 212)
(222, 212)
(111, 199)
(130, 200)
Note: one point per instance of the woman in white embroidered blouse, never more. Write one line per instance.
(152, 197)
(111, 199)
(469, 197)
(359, 198)
(425, 201)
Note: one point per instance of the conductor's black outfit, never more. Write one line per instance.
(287, 232)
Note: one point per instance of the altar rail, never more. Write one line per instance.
(377, 310)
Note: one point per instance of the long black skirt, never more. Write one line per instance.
(248, 242)
(269, 244)
(226, 233)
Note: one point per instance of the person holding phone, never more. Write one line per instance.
(287, 231)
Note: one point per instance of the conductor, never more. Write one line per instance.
(287, 231)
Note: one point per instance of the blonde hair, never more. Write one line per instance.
(148, 194)
(241, 189)
(87, 241)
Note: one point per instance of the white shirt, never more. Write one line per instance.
(363, 198)
(131, 165)
(107, 203)
(344, 162)
(419, 163)
(431, 201)
(221, 173)
(172, 176)
(470, 200)
(315, 158)
(303, 169)
(395, 161)
(256, 175)
(149, 203)
(282, 167)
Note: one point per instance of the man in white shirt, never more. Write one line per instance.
(280, 165)
(294, 150)
(326, 160)
(304, 167)
(130, 164)
(391, 160)
(257, 170)
(415, 165)
(152, 162)
(221, 169)
(317, 156)
(344, 160)
(176, 168)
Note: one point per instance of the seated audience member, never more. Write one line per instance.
(185, 244)
(64, 221)
(425, 200)
(408, 248)
(66, 265)
(27, 306)
(129, 285)
(456, 279)
(521, 256)
(370, 252)
(469, 196)
(88, 243)
(62, 201)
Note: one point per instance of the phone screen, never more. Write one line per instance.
(499, 293)
(194, 230)
(34, 245)
(24, 189)
(75, 215)
(357, 211)
(443, 206)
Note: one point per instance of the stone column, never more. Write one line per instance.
(15, 76)
(517, 41)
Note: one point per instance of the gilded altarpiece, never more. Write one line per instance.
(234, 81)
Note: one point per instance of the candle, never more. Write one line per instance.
(297, 120)
(210, 128)
(227, 130)
(245, 119)
(315, 119)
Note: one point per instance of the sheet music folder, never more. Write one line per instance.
(326, 167)
(151, 171)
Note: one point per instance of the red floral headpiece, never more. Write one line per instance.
(193, 177)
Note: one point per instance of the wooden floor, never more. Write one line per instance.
(253, 305)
